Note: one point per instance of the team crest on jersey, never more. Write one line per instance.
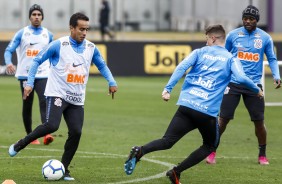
(65, 43)
(27, 34)
(90, 45)
(44, 35)
(258, 43)
(58, 102)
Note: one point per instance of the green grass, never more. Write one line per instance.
(136, 116)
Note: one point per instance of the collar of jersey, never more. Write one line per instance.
(36, 30)
(77, 47)
(247, 32)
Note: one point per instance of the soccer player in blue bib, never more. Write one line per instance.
(249, 44)
(199, 101)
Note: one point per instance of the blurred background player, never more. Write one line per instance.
(70, 58)
(199, 101)
(249, 44)
(104, 20)
(28, 42)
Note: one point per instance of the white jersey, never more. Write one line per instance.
(68, 78)
(30, 46)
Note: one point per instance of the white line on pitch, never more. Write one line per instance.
(105, 154)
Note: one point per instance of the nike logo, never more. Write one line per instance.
(74, 65)
(33, 43)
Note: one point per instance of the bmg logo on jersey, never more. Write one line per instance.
(162, 59)
(205, 82)
(32, 52)
(248, 56)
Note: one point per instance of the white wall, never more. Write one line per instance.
(185, 15)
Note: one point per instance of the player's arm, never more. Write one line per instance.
(178, 74)
(100, 63)
(50, 52)
(238, 71)
(272, 60)
(14, 43)
(228, 42)
(51, 36)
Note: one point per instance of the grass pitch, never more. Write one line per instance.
(136, 116)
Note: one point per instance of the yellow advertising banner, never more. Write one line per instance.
(162, 59)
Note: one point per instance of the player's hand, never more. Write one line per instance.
(165, 95)
(112, 90)
(10, 69)
(260, 93)
(277, 82)
(27, 91)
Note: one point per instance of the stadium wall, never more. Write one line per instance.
(140, 58)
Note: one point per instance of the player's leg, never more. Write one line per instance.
(39, 88)
(102, 31)
(55, 109)
(227, 110)
(230, 101)
(177, 128)
(27, 108)
(74, 117)
(209, 129)
(256, 106)
(108, 32)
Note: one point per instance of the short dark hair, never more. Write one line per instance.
(216, 29)
(77, 16)
(35, 7)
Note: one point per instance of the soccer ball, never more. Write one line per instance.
(53, 170)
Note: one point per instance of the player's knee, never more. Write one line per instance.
(259, 124)
(223, 121)
(168, 143)
(51, 127)
(76, 132)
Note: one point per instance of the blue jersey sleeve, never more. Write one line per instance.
(99, 61)
(228, 42)
(14, 43)
(51, 36)
(50, 52)
(271, 57)
(180, 70)
(238, 72)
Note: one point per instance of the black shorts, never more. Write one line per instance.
(187, 119)
(254, 104)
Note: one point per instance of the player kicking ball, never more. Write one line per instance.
(199, 102)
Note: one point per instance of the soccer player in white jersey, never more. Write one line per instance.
(28, 42)
(70, 58)
(199, 101)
